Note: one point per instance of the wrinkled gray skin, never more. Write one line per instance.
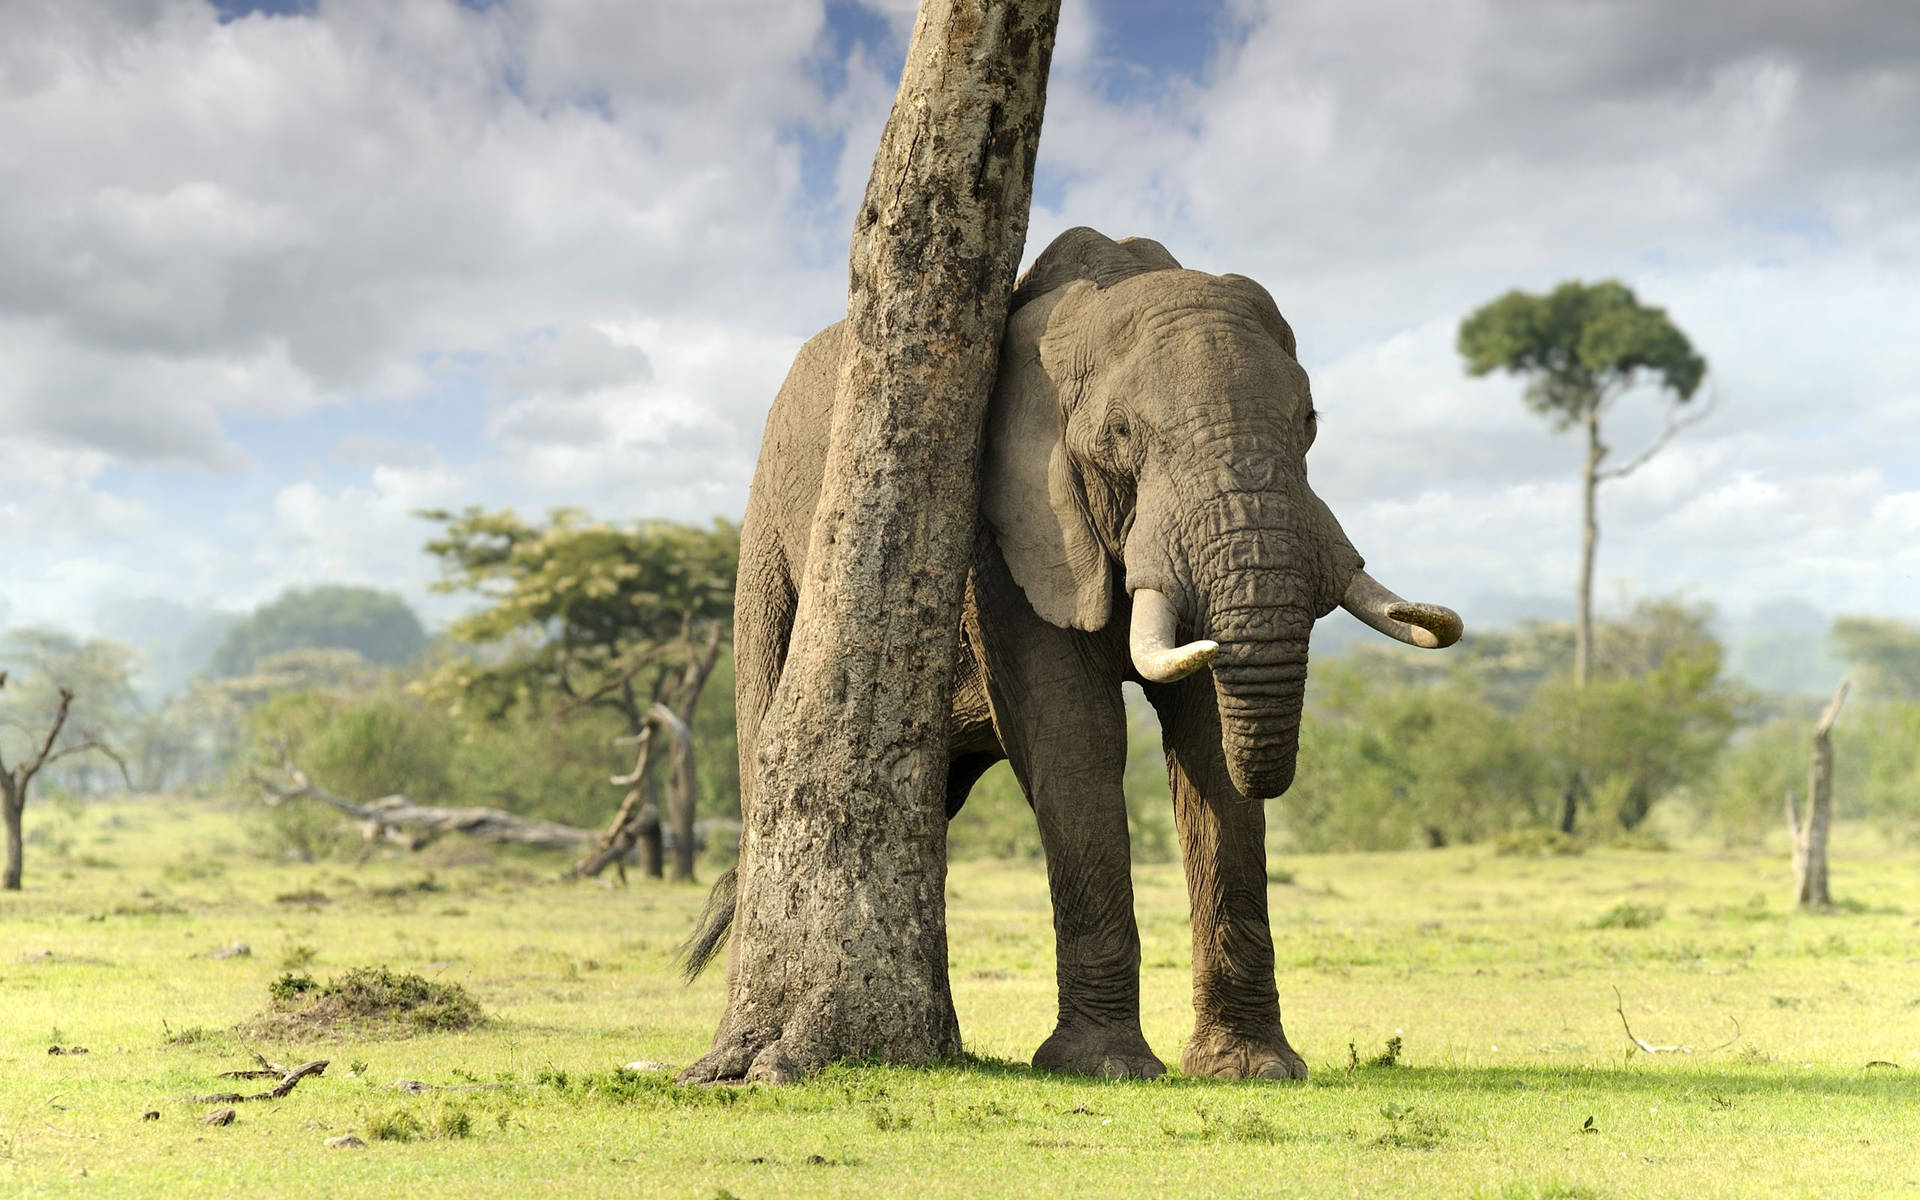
(1149, 429)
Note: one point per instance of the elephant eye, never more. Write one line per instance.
(1313, 416)
(1121, 429)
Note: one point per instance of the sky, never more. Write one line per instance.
(273, 276)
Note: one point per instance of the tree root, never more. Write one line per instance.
(744, 1059)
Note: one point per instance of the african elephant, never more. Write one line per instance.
(1147, 517)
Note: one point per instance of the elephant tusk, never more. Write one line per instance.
(1429, 626)
(1151, 641)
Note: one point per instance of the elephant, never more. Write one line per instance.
(1145, 516)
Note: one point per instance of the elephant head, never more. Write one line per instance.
(1150, 428)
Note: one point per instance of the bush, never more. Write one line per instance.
(1390, 768)
(365, 998)
(368, 745)
(1631, 916)
(1876, 766)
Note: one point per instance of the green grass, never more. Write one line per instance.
(1496, 974)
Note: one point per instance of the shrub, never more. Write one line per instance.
(366, 998)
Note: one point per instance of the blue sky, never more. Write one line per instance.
(282, 272)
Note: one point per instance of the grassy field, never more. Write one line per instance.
(1496, 974)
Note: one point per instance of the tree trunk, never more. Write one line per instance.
(637, 821)
(1810, 839)
(839, 944)
(13, 802)
(680, 794)
(653, 842)
(1570, 802)
(1589, 543)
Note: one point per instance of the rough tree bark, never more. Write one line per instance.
(1810, 839)
(839, 943)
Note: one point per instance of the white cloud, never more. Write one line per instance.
(354, 534)
(604, 227)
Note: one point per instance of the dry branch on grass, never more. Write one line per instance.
(1620, 1006)
(266, 1070)
(287, 1084)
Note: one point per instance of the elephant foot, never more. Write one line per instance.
(1222, 1055)
(1106, 1052)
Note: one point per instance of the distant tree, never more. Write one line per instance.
(1580, 348)
(98, 672)
(1654, 717)
(44, 745)
(1883, 653)
(1388, 766)
(592, 615)
(379, 626)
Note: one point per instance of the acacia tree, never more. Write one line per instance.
(44, 748)
(589, 615)
(1580, 348)
(839, 943)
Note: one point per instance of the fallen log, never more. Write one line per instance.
(398, 819)
(287, 1084)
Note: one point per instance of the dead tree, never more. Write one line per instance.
(15, 780)
(637, 821)
(839, 941)
(1809, 839)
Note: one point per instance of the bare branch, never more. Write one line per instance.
(616, 683)
(1730, 1041)
(1620, 1006)
(94, 743)
(53, 731)
(1832, 711)
(1675, 424)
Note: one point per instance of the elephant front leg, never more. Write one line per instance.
(1236, 1008)
(1058, 711)
(1097, 945)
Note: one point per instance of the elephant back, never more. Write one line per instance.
(1083, 253)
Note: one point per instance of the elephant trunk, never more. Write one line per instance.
(1244, 577)
(1260, 686)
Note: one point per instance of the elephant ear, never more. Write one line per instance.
(1030, 492)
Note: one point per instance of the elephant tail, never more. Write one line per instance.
(710, 931)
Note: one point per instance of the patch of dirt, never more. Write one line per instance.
(361, 1001)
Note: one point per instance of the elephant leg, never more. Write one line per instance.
(1236, 1033)
(962, 773)
(1056, 703)
(763, 611)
